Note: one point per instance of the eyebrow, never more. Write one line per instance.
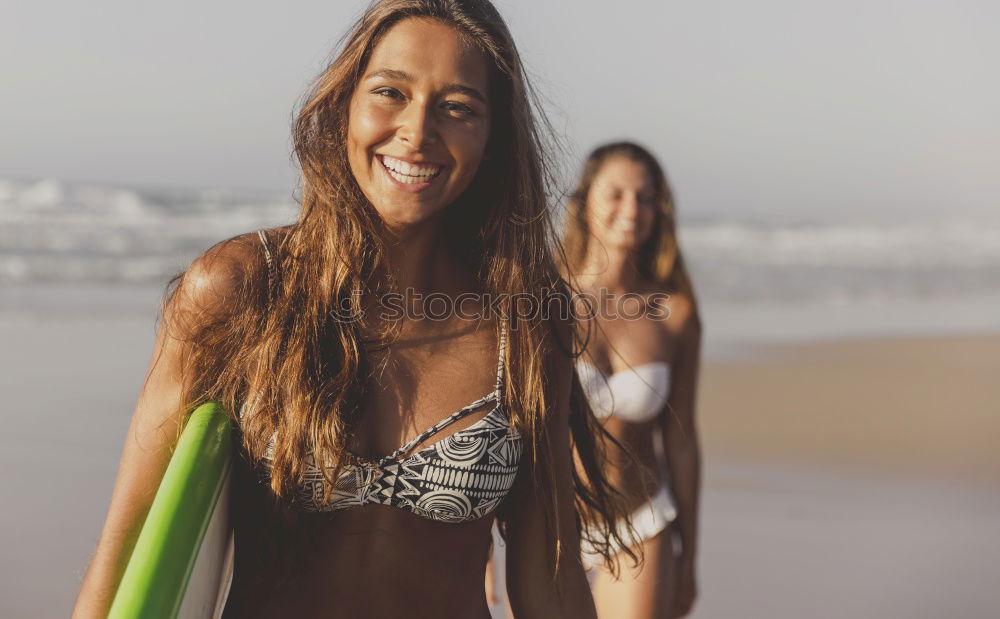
(395, 74)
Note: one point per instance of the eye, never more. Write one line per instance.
(389, 93)
(458, 109)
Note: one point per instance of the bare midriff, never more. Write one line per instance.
(637, 483)
(368, 561)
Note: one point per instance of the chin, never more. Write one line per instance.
(406, 215)
(628, 242)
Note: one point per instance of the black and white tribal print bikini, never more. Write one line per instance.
(461, 477)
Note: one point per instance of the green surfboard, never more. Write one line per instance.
(182, 563)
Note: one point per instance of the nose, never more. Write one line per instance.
(628, 207)
(417, 126)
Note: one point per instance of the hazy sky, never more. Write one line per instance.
(857, 106)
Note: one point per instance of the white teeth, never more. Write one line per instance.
(407, 180)
(406, 169)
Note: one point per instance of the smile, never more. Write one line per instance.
(407, 173)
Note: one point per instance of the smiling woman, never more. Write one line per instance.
(643, 374)
(372, 464)
(420, 120)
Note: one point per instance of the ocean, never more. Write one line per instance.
(758, 277)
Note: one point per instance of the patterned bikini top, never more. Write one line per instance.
(461, 477)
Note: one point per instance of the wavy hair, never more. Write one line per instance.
(300, 371)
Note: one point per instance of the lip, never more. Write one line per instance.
(410, 159)
(409, 187)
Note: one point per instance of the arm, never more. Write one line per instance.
(529, 552)
(157, 421)
(683, 454)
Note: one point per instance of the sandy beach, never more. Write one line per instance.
(927, 407)
(852, 478)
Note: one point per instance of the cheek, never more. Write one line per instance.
(468, 148)
(480, 137)
(646, 222)
(611, 212)
(600, 213)
(648, 217)
(366, 126)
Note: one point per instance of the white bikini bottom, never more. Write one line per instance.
(649, 520)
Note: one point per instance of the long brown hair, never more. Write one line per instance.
(660, 261)
(298, 372)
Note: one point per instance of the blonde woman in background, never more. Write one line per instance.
(640, 372)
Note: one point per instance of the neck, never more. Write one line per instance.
(416, 255)
(612, 268)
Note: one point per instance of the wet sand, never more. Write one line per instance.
(853, 478)
(843, 479)
(923, 407)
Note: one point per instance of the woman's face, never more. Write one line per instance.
(620, 208)
(418, 121)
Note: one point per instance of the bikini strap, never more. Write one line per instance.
(500, 361)
(271, 271)
(465, 410)
(270, 289)
(441, 425)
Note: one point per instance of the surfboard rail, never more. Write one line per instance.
(156, 579)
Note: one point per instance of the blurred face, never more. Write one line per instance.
(620, 209)
(418, 121)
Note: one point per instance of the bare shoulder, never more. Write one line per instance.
(679, 313)
(220, 274)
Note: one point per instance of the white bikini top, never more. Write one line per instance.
(634, 395)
